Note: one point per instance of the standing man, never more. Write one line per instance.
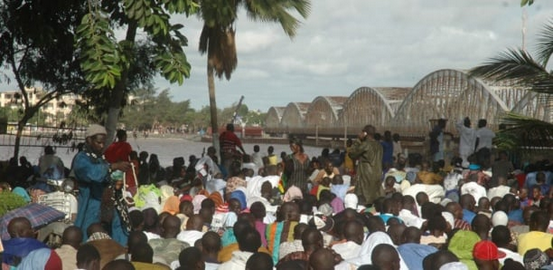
(229, 142)
(484, 136)
(436, 140)
(369, 154)
(467, 139)
(92, 173)
(118, 150)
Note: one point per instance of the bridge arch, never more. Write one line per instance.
(535, 105)
(324, 110)
(274, 117)
(294, 115)
(371, 105)
(449, 94)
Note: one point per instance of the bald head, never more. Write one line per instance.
(455, 209)
(20, 227)
(171, 227)
(211, 243)
(467, 202)
(481, 225)
(354, 231)
(395, 232)
(440, 258)
(72, 236)
(290, 212)
(385, 257)
(95, 228)
(135, 238)
(411, 235)
(321, 259)
(311, 239)
(375, 223)
(196, 222)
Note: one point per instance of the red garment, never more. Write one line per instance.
(228, 142)
(118, 151)
(521, 179)
(461, 224)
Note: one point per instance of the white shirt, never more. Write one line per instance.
(499, 191)
(257, 159)
(347, 250)
(190, 236)
(410, 219)
(467, 138)
(237, 262)
(485, 136)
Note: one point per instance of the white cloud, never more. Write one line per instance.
(344, 45)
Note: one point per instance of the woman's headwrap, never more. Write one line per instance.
(197, 202)
(240, 196)
(217, 198)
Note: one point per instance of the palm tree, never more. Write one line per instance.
(218, 35)
(519, 68)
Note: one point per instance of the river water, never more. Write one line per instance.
(165, 148)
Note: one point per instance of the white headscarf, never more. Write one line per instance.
(373, 240)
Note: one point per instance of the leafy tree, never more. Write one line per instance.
(519, 68)
(36, 46)
(217, 38)
(111, 65)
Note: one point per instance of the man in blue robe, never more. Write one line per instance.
(92, 173)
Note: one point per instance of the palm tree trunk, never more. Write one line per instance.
(213, 108)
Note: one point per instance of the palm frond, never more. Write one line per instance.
(279, 11)
(544, 45)
(518, 67)
(523, 132)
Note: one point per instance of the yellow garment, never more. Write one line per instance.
(225, 254)
(273, 159)
(533, 239)
(429, 178)
(348, 162)
(321, 188)
(147, 266)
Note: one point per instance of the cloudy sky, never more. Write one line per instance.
(344, 45)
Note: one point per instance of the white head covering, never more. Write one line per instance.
(454, 266)
(449, 218)
(499, 218)
(351, 201)
(374, 239)
(95, 129)
(293, 193)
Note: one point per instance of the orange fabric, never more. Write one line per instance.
(272, 232)
(172, 205)
(217, 198)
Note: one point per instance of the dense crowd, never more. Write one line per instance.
(262, 211)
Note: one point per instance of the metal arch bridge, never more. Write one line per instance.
(447, 93)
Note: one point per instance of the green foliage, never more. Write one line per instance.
(10, 201)
(519, 68)
(104, 58)
(527, 2)
(101, 58)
